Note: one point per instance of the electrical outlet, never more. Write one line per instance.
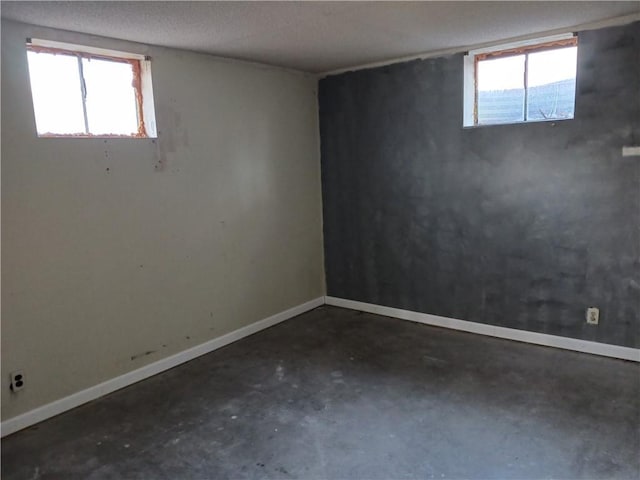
(17, 380)
(631, 151)
(593, 315)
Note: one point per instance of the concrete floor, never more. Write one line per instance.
(341, 394)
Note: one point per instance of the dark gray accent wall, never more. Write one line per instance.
(523, 226)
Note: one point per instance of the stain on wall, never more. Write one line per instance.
(522, 226)
(120, 252)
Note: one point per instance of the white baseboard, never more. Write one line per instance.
(64, 404)
(566, 343)
(67, 403)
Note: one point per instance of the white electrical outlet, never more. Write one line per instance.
(17, 380)
(631, 151)
(593, 315)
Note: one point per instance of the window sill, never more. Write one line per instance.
(552, 121)
(97, 137)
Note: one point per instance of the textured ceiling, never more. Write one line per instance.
(314, 36)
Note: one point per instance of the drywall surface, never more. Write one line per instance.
(523, 226)
(119, 252)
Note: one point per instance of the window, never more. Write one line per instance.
(522, 83)
(88, 92)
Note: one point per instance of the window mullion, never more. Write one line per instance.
(475, 90)
(526, 85)
(83, 87)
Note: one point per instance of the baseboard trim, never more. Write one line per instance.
(584, 346)
(75, 400)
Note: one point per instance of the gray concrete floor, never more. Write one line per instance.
(339, 394)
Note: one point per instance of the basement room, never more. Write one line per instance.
(320, 240)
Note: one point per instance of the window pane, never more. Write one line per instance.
(501, 90)
(111, 100)
(56, 91)
(552, 84)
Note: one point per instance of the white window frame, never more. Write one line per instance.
(469, 80)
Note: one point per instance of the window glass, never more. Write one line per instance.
(111, 98)
(501, 90)
(57, 94)
(552, 84)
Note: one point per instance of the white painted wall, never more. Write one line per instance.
(114, 248)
